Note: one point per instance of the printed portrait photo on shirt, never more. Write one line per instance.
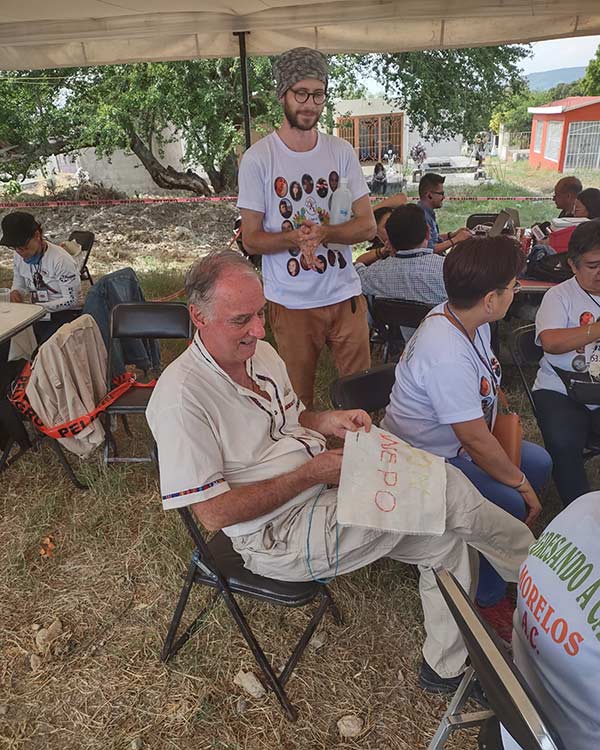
(334, 180)
(307, 183)
(322, 187)
(496, 368)
(287, 226)
(293, 267)
(484, 387)
(331, 257)
(323, 266)
(281, 186)
(342, 261)
(303, 263)
(285, 208)
(295, 191)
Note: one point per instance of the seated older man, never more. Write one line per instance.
(43, 273)
(237, 445)
(565, 194)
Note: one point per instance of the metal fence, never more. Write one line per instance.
(583, 145)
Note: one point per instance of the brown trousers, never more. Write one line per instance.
(302, 334)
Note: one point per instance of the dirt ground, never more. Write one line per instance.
(152, 237)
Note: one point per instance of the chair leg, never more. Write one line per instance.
(454, 718)
(67, 466)
(169, 648)
(262, 661)
(126, 426)
(386, 352)
(324, 605)
(333, 608)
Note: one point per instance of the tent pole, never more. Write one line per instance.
(245, 91)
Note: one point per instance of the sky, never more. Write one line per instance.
(561, 53)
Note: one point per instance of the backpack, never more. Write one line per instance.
(553, 267)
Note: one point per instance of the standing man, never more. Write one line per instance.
(290, 177)
(431, 197)
(566, 191)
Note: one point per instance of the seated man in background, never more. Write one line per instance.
(565, 194)
(43, 273)
(431, 197)
(412, 271)
(236, 444)
(557, 621)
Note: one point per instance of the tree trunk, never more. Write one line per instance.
(224, 178)
(167, 177)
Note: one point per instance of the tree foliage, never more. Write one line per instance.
(449, 92)
(512, 111)
(142, 107)
(590, 83)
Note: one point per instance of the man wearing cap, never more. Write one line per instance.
(289, 177)
(43, 273)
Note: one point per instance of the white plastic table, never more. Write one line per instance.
(16, 316)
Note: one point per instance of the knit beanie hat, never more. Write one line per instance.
(298, 63)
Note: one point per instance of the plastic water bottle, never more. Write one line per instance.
(341, 208)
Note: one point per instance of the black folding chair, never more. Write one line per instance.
(145, 320)
(369, 390)
(389, 315)
(86, 240)
(485, 219)
(511, 700)
(217, 565)
(526, 353)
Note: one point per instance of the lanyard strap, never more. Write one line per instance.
(591, 297)
(454, 319)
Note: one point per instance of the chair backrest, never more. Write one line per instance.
(85, 239)
(486, 219)
(508, 694)
(154, 320)
(525, 353)
(399, 312)
(369, 390)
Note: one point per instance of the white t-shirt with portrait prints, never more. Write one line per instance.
(440, 381)
(289, 187)
(566, 305)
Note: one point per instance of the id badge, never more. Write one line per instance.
(41, 295)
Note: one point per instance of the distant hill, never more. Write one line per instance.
(549, 78)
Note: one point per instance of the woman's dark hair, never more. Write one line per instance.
(479, 265)
(406, 228)
(586, 237)
(378, 168)
(590, 197)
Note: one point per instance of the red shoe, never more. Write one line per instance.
(500, 617)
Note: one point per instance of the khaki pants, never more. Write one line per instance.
(279, 550)
(302, 334)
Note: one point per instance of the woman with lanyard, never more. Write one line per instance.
(43, 273)
(568, 329)
(445, 397)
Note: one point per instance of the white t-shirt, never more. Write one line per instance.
(441, 380)
(54, 281)
(289, 187)
(213, 435)
(566, 305)
(556, 637)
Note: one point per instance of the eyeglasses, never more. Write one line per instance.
(514, 289)
(302, 96)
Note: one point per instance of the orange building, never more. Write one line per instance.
(565, 135)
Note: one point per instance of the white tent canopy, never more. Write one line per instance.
(60, 33)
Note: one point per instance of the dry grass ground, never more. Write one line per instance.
(113, 580)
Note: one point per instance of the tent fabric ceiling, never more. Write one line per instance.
(60, 33)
